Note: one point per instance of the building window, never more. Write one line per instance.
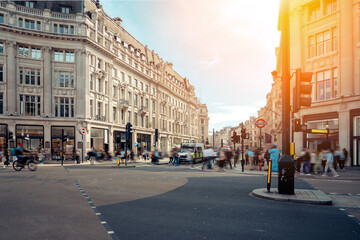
(31, 52)
(91, 82)
(335, 83)
(330, 6)
(1, 18)
(314, 12)
(29, 4)
(1, 103)
(334, 39)
(135, 83)
(38, 26)
(64, 56)
(91, 108)
(135, 100)
(146, 88)
(64, 79)
(311, 47)
(98, 85)
(30, 105)
(64, 107)
(1, 73)
(153, 122)
(129, 80)
(323, 43)
(65, 10)
(98, 63)
(323, 84)
(29, 24)
(64, 29)
(21, 22)
(114, 114)
(55, 28)
(30, 76)
(153, 106)
(135, 119)
(122, 77)
(1, 47)
(114, 91)
(141, 86)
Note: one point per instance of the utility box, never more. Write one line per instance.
(286, 175)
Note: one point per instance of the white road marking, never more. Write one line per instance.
(97, 214)
(103, 222)
(110, 232)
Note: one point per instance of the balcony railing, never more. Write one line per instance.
(100, 118)
(63, 16)
(31, 11)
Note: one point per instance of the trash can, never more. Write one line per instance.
(286, 175)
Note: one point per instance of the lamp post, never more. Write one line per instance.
(327, 134)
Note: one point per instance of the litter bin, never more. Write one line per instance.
(286, 175)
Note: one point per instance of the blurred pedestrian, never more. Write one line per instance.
(330, 164)
(345, 152)
(274, 157)
(339, 155)
(306, 162)
(222, 159)
(171, 157)
(251, 158)
(176, 157)
(190, 158)
(208, 155)
(228, 155)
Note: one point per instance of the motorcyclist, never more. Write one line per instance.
(20, 153)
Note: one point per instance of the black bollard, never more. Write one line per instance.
(286, 175)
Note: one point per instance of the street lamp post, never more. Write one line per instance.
(327, 134)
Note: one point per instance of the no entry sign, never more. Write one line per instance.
(260, 123)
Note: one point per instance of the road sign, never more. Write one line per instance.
(83, 130)
(260, 123)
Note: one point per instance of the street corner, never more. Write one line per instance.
(301, 196)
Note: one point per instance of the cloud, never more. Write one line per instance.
(210, 63)
(223, 115)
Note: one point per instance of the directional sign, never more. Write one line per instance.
(83, 130)
(260, 123)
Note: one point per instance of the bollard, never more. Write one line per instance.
(269, 176)
(286, 175)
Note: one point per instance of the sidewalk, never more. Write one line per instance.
(301, 196)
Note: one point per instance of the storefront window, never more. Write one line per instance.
(3, 137)
(317, 141)
(32, 137)
(58, 145)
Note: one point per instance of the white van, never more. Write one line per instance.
(196, 150)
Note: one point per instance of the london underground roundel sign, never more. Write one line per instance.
(260, 123)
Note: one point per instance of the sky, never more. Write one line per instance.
(226, 48)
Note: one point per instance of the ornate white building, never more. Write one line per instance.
(64, 67)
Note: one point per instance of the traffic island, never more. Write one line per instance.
(301, 196)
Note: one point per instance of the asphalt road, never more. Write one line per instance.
(156, 202)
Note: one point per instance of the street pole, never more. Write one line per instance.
(213, 138)
(260, 140)
(284, 27)
(242, 142)
(62, 147)
(82, 148)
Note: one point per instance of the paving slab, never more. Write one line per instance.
(300, 196)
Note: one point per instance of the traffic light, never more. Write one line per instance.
(297, 125)
(156, 134)
(128, 130)
(238, 139)
(11, 135)
(302, 87)
(233, 138)
(243, 133)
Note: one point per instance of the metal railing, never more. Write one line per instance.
(31, 11)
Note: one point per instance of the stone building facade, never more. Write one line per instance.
(324, 40)
(67, 65)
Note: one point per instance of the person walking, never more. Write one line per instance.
(208, 155)
(345, 154)
(189, 158)
(306, 162)
(330, 164)
(274, 157)
(251, 158)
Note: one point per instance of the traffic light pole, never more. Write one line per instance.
(285, 81)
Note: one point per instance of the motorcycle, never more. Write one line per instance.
(29, 160)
